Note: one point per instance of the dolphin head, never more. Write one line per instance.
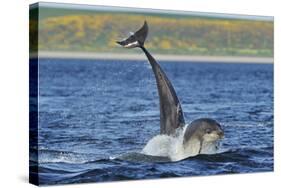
(212, 131)
(204, 129)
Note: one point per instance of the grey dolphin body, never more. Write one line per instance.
(171, 114)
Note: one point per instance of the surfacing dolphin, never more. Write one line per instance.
(176, 140)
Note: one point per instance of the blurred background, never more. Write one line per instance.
(93, 30)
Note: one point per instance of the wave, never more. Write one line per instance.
(240, 155)
(222, 155)
(136, 165)
(56, 156)
(46, 156)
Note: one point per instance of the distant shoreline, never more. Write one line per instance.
(160, 57)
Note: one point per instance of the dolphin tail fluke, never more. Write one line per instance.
(137, 39)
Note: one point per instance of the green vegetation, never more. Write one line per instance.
(88, 31)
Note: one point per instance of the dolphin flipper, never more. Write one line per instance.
(171, 115)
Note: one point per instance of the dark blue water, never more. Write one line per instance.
(92, 110)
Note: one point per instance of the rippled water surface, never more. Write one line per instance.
(91, 111)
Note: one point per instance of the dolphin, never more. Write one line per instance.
(200, 133)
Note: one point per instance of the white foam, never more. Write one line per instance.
(166, 146)
(64, 157)
(158, 146)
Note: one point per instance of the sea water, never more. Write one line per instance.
(92, 111)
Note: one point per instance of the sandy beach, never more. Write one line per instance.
(160, 57)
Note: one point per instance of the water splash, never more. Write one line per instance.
(173, 148)
(52, 156)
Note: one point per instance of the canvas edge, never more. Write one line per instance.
(33, 96)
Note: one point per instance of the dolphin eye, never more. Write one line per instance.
(208, 131)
